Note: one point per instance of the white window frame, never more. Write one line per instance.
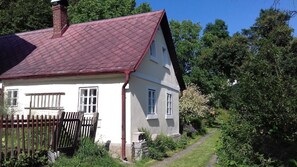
(12, 101)
(153, 51)
(169, 105)
(89, 97)
(152, 103)
(165, 56)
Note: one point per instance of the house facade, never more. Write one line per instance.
(124, 68)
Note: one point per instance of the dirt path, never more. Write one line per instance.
(180, 154)
(212, 161)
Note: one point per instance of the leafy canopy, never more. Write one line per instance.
(27, 15)
(264, 100)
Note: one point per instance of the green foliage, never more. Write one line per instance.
(38, 14)
(13, 17)
(159, 147)
(262, 130)
(185, 36)
(89, 154)
(183, 141)
(90, 10)
(194, 106)
(38, 159)
(88, 148)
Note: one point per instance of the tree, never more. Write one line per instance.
(264, 124)
(219, 61)
(90, 10)
(24, 15)
(185, 36)
(27, 15)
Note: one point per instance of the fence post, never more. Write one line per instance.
(57, 135)
(93, 128)
(1, 126)
(78, 128)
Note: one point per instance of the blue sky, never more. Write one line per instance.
(237, 14)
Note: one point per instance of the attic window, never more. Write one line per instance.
(153, 54)
(165, 57)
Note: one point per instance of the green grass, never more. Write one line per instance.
(201, 155)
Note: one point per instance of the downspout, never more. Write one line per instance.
(127, 77)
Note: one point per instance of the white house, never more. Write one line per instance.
(124, 68)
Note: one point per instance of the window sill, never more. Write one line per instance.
(166, 66)
(168, 116)
(152, 116)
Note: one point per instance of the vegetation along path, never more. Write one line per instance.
(198, 154)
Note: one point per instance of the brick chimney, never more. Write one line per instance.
(60, 18)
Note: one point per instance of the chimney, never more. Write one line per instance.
(60, 18)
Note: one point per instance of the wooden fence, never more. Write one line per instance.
(19, 134)
(29, 134)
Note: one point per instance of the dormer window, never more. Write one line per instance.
(153, 54)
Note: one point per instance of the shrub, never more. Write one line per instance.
(194, 109)
(39, 158)
(183, 141)
(89, 154)
(89, 148)
(157, 148)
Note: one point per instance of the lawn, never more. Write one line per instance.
(201, 155)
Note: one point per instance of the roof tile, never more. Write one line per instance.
(112, 45)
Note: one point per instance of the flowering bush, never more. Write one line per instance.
(194, 105)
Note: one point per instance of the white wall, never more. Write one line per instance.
(109, 100)
(153, 74)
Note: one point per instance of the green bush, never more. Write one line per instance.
(157, 148)
(88, 148)
(89, 154)
(183, 141)
(39, 158)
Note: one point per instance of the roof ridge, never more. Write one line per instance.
(117, 18)
(26, 33)
(84, 23)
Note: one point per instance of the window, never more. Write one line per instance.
(165, 57)
(12, 97)
(88, 99)
(151, 102)
(169, 104)
(153, 51)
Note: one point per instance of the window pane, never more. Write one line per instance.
(14, 102)
(88, 99)
(84, 92)
(15, 93)
(93, 92)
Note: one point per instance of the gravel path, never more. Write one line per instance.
(169, 160)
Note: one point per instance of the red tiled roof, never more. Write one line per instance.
(105, 46)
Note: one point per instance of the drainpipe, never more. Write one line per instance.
(127, 77)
